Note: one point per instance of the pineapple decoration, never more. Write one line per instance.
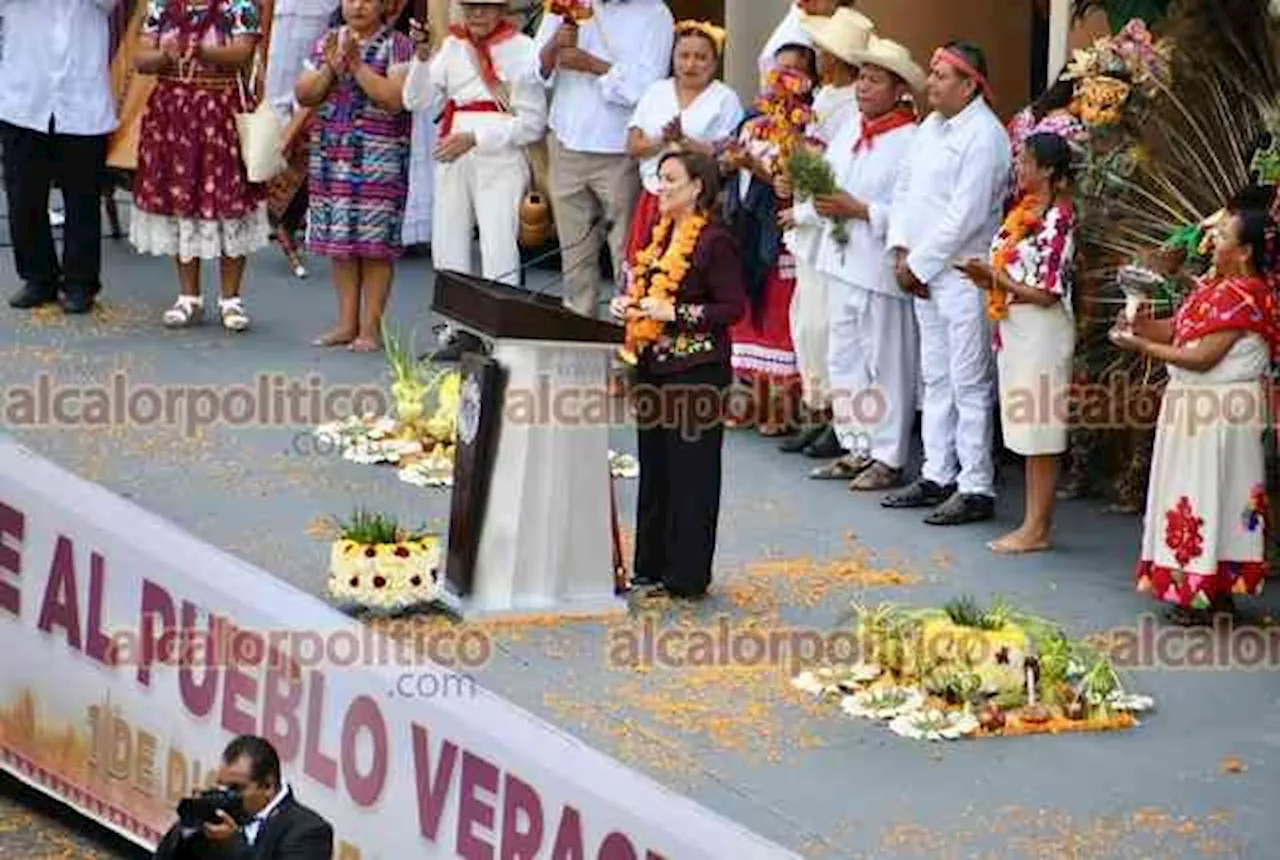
(409, 385)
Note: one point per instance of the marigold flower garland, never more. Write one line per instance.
(1022, 221)
(658, 274)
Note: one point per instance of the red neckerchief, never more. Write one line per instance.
(1230, 304)
(501, 33)
(883, 124)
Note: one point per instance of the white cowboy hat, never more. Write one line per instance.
(843, 34)
(890, 55)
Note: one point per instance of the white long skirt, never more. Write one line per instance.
(1034, 368)
(418, 206)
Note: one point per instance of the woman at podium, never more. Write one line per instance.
(686, 289)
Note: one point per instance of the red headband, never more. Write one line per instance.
(954, 58)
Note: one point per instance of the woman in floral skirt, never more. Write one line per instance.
(1203, 539)
(192, 197)
(359, 165)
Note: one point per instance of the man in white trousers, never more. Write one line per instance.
(482, 82)
(296, 26)
(873, 350)
(946, 209)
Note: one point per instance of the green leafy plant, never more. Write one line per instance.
(369, 529)
(409, 384)
(965, 612)
(812, 177)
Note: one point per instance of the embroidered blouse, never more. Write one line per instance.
(1043, 260)
(217, 22)
(710, 299)
(1229, 304)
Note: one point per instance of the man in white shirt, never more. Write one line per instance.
(873, 353)
(56, 113)
(946, 209)
(597, 71)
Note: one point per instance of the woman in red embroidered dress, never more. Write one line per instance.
(1203, 536)
(192, 198)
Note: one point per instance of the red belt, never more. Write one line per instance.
(452, 108)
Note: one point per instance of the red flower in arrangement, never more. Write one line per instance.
(402, 551)
(370, 552)
(355, 582)
(416, 581)
(1183, 532)
(379, 582)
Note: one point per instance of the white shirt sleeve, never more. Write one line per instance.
(728, 118)
(547, 30)
(970, 207)
(644, 115)
(424, 86)
(898, 214)
(641, 61)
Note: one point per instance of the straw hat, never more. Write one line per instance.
(890, 55)
(843, 34)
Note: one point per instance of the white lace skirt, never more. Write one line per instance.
(193, 239)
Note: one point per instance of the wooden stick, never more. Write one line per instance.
(621, 580)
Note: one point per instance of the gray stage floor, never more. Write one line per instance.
(793, 553)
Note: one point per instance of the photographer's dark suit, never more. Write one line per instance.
(291, 832)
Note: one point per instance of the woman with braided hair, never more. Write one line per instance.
(1204, 533)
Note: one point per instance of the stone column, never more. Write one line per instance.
(750, 23)
(1059, 36)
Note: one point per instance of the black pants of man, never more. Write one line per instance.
(33, 162)
(681, 435)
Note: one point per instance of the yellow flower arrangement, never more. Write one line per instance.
(659, 270)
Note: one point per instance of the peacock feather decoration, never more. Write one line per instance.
(1201, 122)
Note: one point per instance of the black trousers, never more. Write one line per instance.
(681, 435)
(34, 162)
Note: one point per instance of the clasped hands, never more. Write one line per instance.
(420, 35)
(570, 56)
(341, 53)
(907, 281)
(1132, 335)
(627, 308)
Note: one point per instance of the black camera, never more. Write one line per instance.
(204, 807)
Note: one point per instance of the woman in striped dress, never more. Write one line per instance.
(359, 165)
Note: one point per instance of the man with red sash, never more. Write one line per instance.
(872, 349)
(491, 106)
(946, 209)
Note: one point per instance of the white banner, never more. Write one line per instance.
(130, 653)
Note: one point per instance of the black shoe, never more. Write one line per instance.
(33, 296)
(961, 509)
(920, 494)
(826, 446)
(77, 301)
(802, 440)
(459, 344)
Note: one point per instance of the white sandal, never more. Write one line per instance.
(233, 316)
(185, 311)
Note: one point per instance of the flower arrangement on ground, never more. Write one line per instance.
(376, 565)
(964, 670)
(420, 437)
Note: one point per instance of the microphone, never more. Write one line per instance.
(596, 222)
(559, 249)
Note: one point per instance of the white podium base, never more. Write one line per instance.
(546, 545)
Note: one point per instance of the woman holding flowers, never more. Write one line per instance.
(1028, 281)
(692, 110)
(763, 350)
(192, 198)
(359, 164)
(1203, 534)
(686, 290)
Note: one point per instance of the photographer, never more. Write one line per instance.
(251, 815)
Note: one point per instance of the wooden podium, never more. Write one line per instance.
(530, 529)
